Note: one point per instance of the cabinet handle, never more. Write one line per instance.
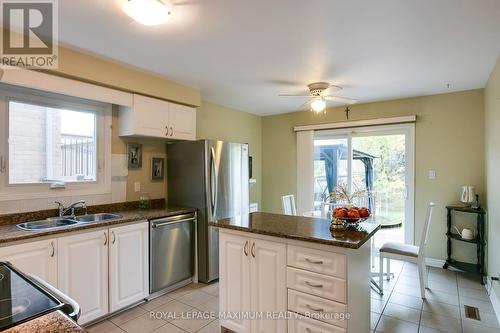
(314, 309)
(171, 131)
(253, 250)
(166, 127)
(308, 330)
(114, 237)
(53, 252)
(2, 164)
(314, 285)
(319, 262)
(245, 249)
(105, 238)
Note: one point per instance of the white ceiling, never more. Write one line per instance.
(243, 53)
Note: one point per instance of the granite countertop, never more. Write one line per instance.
(53, 322)
(9, 232)
(316, 230)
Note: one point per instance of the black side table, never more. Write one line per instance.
(480, 242)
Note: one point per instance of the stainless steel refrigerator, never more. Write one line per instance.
(211, 176)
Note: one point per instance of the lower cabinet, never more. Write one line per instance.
(83, 272)
(128, 265)
(252, 281)
(37, 258)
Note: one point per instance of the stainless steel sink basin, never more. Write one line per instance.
(61, 222)
(97, 217)
(52, 223)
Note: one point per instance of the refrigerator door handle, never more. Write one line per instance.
(213, 182)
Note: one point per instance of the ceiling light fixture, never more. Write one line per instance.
(318, 105)
(149, 12)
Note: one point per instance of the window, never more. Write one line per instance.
(52, 145)
(48, 144)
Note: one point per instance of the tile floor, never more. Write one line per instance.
(399, 310)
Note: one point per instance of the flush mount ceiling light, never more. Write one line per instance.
(318, 97)
(149, 12)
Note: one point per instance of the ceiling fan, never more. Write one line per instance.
(318, 97)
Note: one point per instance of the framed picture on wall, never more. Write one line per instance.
(134, 152)
(157, 167)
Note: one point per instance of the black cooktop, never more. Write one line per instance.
(21, 299)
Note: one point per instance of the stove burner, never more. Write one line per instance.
(16, 306)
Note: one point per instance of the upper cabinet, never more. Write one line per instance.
(151, 117)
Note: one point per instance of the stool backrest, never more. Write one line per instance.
(288, 203)
(427, 227)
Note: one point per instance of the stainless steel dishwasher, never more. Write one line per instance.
(171, 251)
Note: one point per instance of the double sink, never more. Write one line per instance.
(61, 222)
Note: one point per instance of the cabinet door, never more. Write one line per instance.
(83, 272)
(38, 258)
(128, 265)
(268, 284)
(151, 116)
(182, 120)
(234, 280)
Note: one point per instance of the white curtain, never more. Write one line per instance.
(305, 171)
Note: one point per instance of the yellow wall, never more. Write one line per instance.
(492, 152)
(449, 139)
(221, 123)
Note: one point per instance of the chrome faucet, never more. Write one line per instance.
(63, 211)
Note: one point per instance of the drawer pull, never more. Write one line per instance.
(318, 262)
(314, 309)
(314, 285)
(308, 330)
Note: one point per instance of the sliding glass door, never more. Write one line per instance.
(377, 162)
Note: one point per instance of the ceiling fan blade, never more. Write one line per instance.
(294, 95)
(307, 102)
(340, 99)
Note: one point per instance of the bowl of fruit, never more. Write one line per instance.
(351, 214)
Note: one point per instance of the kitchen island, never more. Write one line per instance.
(281, 273)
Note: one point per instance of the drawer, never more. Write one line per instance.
(318, 261)
(318, 308)
(307, 325)
(317, 284)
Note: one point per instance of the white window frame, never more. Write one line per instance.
(103, 112)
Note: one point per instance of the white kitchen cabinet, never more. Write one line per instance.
(151, 117)
(234, 280)
(38, 258)
(128, 265)
(83, 272)
(252, 278)
(268, 281)
(182, 120)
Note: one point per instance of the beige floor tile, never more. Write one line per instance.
(127, 315)
(473, 293)
(402, 312)
(442, 297)
(450, 288)
(142, 324)
(213, 327)
(376, 295)
(487, 319)
(468, 280)
(172, 310)
(423, 329)
(154, 303)
(470, 327)
(168, 328)
(443, 309)
(407, 290)
(483, 305)
(441, 323)
(414, 302)
(104, 327)
(377, 305)
(183, 291)
(212, 305)
(191, 324)
(392, 325)
(195, 298)
(212, 289)
(374, 318)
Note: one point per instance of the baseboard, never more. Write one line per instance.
(435, 262)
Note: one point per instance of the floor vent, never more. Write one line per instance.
(472, 312)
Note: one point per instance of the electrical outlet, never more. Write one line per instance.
(137, 187)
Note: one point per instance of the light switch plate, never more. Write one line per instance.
(432, 174)
(137, 187)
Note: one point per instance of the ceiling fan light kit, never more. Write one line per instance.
(149, 12)
(318, 98)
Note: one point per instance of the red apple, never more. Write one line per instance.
(364, 212)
